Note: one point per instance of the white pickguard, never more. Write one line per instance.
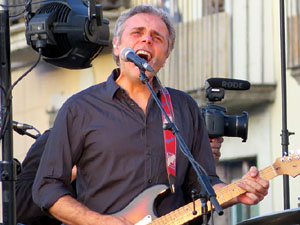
(145, 221)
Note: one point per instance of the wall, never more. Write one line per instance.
(45, 89)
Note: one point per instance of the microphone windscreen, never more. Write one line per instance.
(228, 84)
(124, 52)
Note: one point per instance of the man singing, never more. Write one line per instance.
(113, 133)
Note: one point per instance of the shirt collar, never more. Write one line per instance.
(112, 86)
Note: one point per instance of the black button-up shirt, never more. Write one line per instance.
(118, 149)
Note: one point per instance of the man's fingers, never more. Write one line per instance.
(258, 186)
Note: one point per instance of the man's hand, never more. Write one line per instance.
(256, 187)
(74, 173)
(215, 144)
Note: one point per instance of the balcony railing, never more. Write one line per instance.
(218, 40)
(293, 33)
(214, 39)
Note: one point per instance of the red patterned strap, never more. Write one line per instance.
(170, 139)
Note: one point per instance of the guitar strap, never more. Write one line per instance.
(170, 140)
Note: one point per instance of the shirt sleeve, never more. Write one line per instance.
(55, 170)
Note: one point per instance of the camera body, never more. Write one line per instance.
(218, 123)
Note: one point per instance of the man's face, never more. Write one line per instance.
(148, 36)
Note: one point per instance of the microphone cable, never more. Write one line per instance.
(8, 95)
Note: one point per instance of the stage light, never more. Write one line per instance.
(69, 33)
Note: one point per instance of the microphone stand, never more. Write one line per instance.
(7, 165)
(284, 132)
(207, 192)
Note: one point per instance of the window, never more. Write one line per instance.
(212, 7)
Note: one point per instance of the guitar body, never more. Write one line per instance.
(142, 210)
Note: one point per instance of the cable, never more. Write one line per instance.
(39, 133)
(24, 4)
(8, 95)
(23, 131)
(17, 15)
(28, 71)
(28, 2)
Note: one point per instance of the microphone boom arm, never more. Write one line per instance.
(202, 177)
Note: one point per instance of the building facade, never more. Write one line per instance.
(215, 38)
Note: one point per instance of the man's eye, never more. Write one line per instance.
(158, 38)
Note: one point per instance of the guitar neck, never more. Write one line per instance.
(231, 191)
(225, 194)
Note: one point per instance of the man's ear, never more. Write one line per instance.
(168, 54)
(116, 47)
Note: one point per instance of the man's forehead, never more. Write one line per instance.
(142, 21)
(139, 19)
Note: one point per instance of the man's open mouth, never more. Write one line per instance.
(143, 54)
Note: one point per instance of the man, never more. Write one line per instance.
(113, 133)
(215, 144)
(27, 211)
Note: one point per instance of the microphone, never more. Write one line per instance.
(228, 84)
(21, 126)
(127, 54)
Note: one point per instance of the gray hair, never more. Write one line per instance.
(119, 26)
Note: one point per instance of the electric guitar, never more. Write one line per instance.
(141, 210)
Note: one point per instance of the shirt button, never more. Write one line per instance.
(149, 181)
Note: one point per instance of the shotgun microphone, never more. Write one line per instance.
(228, 84)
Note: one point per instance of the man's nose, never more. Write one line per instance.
(147, 38)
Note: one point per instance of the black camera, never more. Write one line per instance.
(217, 122)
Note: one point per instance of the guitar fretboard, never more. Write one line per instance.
(225, 194)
